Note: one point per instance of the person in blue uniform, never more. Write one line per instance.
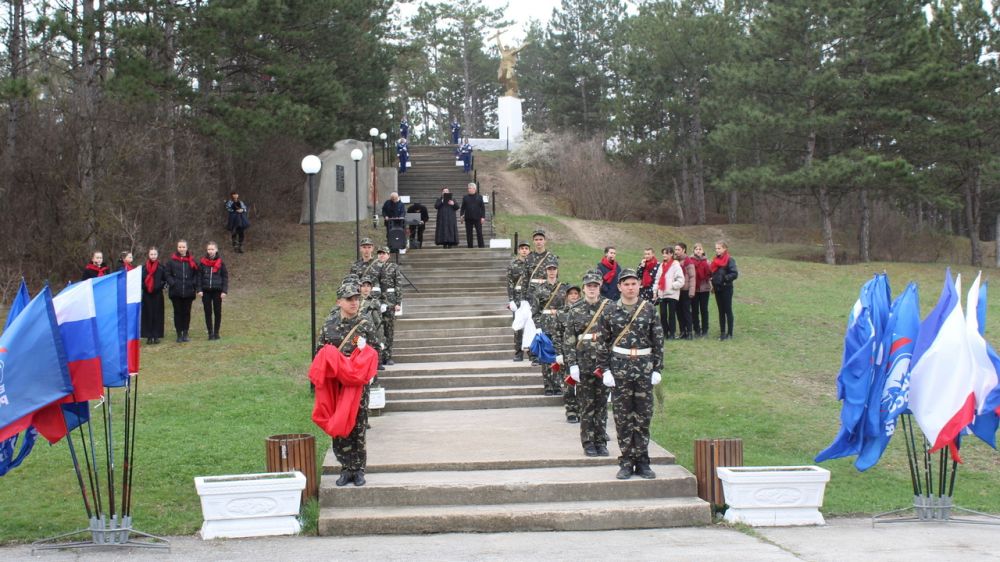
(404, 128)
(403, 152)
(456, 131)
(465, 153)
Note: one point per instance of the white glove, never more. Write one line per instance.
(560, 359)
(362, 343)
(512, 306)
(383, 308)
(609, 380)
(574, 372)
(655, 377)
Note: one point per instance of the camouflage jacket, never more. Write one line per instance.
(390, 280)
(551, 298)
(577, 349)
(371, 267)
(643, 332)
(559, 328)
(371, 307)
(536, 271)
(517, 280)
(336, 328)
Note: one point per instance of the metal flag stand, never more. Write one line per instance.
(932, 497)
(110, 525)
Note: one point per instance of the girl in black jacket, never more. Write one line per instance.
(153, 280)
(95, 268)
(213, 284)
(182, 277)
(723, 274)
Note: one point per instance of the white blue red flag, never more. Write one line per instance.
(985, 379)
(112, 327)
(133, 310)
(77, 319)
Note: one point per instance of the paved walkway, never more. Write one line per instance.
(841, 539)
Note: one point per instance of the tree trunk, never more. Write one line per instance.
(865, 229)
(678, 202)
(973, 198)
(14, 43)
(826, 213)
(167, 110)
(583, 101)
(87, 154)
(734, 201)
(684, 198)
(698, 181)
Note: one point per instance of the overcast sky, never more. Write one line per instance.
(518, 11)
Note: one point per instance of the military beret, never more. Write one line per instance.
(626, 273)
(538, 232)
(367, 242)
(383, 250)
(348, 290)
(592, 276)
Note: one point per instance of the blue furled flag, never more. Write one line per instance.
(21, 300)
(890, 392)
(33, 368)
(862, 350)
(112, 327)
(543, 349)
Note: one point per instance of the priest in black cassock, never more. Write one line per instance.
(446, 225)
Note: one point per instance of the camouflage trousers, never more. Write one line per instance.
(350, 451)
(632, 398)
(570, 397)
(592, 396)
(551, 381)
(388, 331)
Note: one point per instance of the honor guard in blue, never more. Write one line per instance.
(404, 128)
(465, 154)
(403, 153)
(456, 131)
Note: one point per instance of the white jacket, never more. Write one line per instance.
(675, 280)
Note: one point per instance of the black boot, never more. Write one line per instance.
(590, 450)
(625, 472)
(359, 477)
(643, 471)
(184, 336)
(180, 336)
(602, 450)
(519, 356)
(346, 477)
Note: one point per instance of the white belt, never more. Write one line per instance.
(549, 311)
(390, 290)
(632, 352)
(538, 280)
(376, 289)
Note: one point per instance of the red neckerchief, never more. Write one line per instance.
(151, 267)
(101, 271)
(609, 277)
(647, 273)
(128, 266)
(720, 261)
(186, 259)
(214, 264)
(665, 266)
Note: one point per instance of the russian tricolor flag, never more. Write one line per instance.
(77, 318)
(133, 310)
(112, 327)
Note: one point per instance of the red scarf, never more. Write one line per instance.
(128, 266)
(647, 273)
(609, 277)
(665, 267)
(214, 264)
(720, 261)
(101, 271)
(186, 259)
(340, 382)
(150, 272)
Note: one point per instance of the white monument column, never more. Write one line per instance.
(509, 120)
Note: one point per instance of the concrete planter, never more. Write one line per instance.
(250, 505)
(774, 496)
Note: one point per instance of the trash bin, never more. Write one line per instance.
(710, 454)
(294, 451)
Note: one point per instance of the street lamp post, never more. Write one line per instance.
(311, 166)
(356, 155)
(384, 136)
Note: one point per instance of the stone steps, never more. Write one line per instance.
(394, 394)
(499, 321)
(404, 356)
(413, 331)
(477, 402)
(480, 367)
(464, 311)
(445, 345)
(459, 381)
(417, 339)
(418, 299)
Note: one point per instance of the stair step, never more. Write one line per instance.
(464, 311)
(404, 332)
(416, 338)
(393, 394)
(401, 357)
(557, 516)
(499, 321)
(418, 299)
(392, 383)
(501, 366)
(435, 347)
(492, 487)
(472, 403)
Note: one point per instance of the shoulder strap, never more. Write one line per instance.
(347, 338)
(593, 321)
(635, 314)
(541, 260)
(552, 295)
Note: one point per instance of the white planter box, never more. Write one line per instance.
(773, 496)
(250, 505)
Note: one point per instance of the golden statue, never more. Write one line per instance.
(508, 60)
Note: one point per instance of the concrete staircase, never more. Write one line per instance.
(469, 443)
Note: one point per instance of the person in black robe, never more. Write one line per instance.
(446, 224)
(153, 281)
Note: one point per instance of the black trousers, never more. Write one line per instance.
(668, 317)
(469, 225)
(699, 313)
(724, 300)
(417, 233)
(152, 314)
(684, 313)
(237, 236)
(212, 302)
(182, 312)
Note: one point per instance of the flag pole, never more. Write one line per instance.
(125, 453)
(909, 457)
(915, 460)
(109, 451)
(97, 479)
(131, 468)
(79, 476)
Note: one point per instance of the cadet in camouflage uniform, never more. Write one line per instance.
(517, 290)
(371, 308)
(368, 264)
(546, 300)
(346, 328)
(535, 265)
(392, 298)
(630, 358)
(568, 390)
(581, 341)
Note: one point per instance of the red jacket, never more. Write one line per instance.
(340, 382)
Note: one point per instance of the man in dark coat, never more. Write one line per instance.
(474, 214)
(417, 231)
(393, 213)
(446, 227)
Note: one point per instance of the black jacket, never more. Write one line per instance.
(473, 207)
(183, 280)
(393, 210)
(209, 280)
(724, 276)
(418, 208)
(159, 278)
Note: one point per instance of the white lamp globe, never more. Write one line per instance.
(356, 154)
(373, 132)
(383, 136)
(311, 164)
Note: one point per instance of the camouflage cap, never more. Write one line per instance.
(348, 290)
(367, 242)
(626, 273)
(573, 288)
(592, 276)
(551, 261)
(523, 243)
(538, 232)
(368, 279)
(352, 278)
(384, 250)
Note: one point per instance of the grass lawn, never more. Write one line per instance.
(207, 407)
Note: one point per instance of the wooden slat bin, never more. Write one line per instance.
(710, 454)
(294, 451)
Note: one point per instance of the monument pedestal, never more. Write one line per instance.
(509, 123)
